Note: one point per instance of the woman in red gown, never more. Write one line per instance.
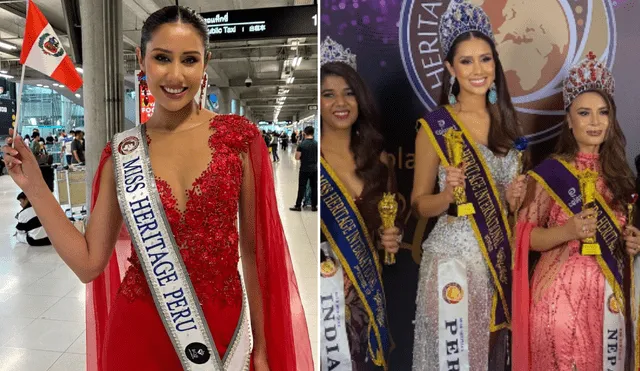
(209, 169)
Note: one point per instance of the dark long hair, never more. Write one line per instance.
(173, 14)
(366, 142)
(504, 128)
(613, 162)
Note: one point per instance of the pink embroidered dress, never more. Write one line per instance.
(565, 301)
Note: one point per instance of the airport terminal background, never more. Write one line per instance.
(266, 71)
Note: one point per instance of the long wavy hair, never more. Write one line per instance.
(504, 128)
(366, 142)
(613, 162)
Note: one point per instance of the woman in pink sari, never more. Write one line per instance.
(576, 299)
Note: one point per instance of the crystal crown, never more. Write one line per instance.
(589, 74)
(459, 18)
(331, 51)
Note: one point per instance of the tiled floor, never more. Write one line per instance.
(42, 301)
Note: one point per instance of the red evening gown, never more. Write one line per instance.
(124, 330)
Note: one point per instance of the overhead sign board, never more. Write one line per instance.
(281, 22)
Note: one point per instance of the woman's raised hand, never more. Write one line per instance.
(22, 164)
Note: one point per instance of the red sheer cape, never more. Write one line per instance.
(287, 337)
(521, 298)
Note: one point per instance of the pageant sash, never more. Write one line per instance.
(160, 258)
(560, 180)
(349, 239)
(335, 354)
(489, 223)
(453, 315)
(613, 333)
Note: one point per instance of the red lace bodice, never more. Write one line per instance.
(206, 231)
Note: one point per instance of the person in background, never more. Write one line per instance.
(62, 136)
(307, 154)
(273, 143)
(50, 139)
(27, 140)
(66, 146)
(294, 138)
(284, 140)
(77, 148)
(35, 144)
(29, 228)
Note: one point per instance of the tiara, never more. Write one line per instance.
(589, 74)
(331, 51)
(462, 17)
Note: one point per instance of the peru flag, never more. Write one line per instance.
(42, 50)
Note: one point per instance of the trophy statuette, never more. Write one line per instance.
(588, 178)
(455, 147)
(388, 209)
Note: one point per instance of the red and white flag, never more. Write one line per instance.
(42, 50)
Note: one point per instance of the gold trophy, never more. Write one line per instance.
(388, 209)
(455, 147)
(588, 190)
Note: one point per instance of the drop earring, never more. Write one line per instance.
(452, 98)
(203, 86)
(493, 94)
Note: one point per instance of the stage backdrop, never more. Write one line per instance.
(398, 54)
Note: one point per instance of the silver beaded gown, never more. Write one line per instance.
(457, 240)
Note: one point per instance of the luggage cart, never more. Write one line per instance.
(72, 192)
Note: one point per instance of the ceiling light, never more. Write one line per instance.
(4, 71)
(46, 86)
(78, 95)
(6, 76)
(62, 86)
(38, 84)
(55, 84)
(7, 46)
(79, 69)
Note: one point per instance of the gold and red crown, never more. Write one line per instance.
(589, 74)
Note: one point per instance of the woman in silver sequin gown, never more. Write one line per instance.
(485, 110)
(457, 240)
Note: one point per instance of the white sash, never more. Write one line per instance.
(160, 258)
(334, 344)
(613, 336)
(453, 315)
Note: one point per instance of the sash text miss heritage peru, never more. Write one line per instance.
(154, 245)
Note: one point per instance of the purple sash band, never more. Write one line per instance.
(566, 188)
(488, 222)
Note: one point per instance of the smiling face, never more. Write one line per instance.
(588, 119)
(338, 103)
(174, 63)
(473, 66)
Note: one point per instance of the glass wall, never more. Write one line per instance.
(49, 111)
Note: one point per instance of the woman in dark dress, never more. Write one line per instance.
(353, 157)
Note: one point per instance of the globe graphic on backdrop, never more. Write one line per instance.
(531, 57)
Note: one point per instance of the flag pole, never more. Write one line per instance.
(18, 104)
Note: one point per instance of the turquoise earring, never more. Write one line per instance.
(452, 98)
(493, 94)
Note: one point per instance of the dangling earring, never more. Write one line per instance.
(203, 85)
(493, 94)
(142, 78)
(452, 98)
